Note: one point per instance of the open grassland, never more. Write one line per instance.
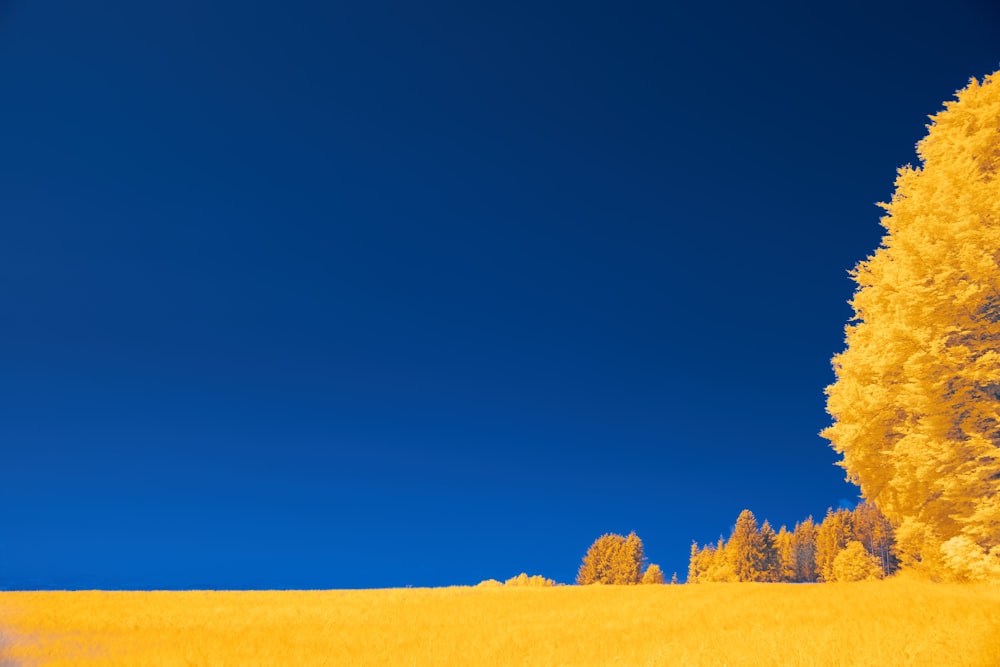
(872, 623)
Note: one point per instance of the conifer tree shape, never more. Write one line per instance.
(770, 557)
(832, 536)
(916, 402)
(746, 548)
(785, 544)
(804, 550)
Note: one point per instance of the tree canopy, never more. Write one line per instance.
(806, 554)
(916, 402)
(613, 559)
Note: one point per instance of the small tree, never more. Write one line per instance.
(653, 575)
(854, 563)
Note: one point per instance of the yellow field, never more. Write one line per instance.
(872, 623)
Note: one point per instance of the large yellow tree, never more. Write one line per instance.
(612, 559)
(916, 403)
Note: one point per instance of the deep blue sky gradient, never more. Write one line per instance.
(337, 295)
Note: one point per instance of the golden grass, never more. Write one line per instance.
(872, 623)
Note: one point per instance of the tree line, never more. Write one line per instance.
(916, 401)
(848, 545)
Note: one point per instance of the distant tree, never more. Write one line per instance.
(874, 531)
(916, 402)
(673, 579)
(653, 575)
(806, 554)
(855, 563)
(832, 536)
(722, 568)
(598, 563)
(804, 546)
(745, 548)
(533, 581)
(489, 583)
(770, 563)
(612, 559)
(786, 555)
(695, 565)
(630, 561)
(710, 563)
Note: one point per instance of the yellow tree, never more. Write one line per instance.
(746, 548)
(804, 546)
(696, 564)
(722, 564)
(855, 563)
(874, 531)
(612, 559)
(535, 581)
(832, 536)
(630, 560)
(916, 402)
(598, 562)
(711, 563)
(770, 559)
(785, 544)
(653, 575)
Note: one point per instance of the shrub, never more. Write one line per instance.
(652, 575)
(524, 580)
(854, 563)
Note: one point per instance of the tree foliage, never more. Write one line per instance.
(769, 563)
(652, 575)
(753, 551)
(854, 563)
(613, 559)
(804, 550)
(524, 579)
(745, 548)
(806, 554)
(831, 537)
(785, 545)
(916, 402)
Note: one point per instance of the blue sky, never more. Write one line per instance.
(323, 295)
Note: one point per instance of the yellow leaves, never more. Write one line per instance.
(536, 581)
(967, 561)
(832, 536)
(612, 559)
(805, 554)
(853, 563)
(489, 583)
(652, 575)
(915, 404)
